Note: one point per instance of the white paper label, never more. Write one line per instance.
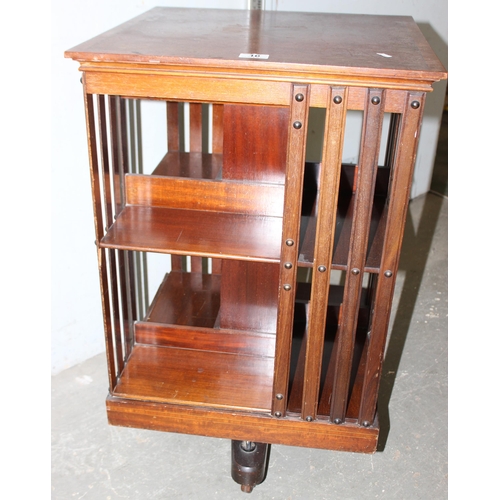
(254, 56)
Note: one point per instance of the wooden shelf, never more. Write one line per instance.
(191, 165)
(195, 232)
(197, 378)
(180, 358)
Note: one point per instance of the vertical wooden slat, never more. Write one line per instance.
(296, 151)
(328, 196)
(104, 154)
(217, 128)
(131, 302)
(176, 261)
(175, 112)
(196, 264)
(116, 109)
(131, 310)
(173, 139)
(138, 261)
(217, 146)
(195, 127)
(111, 171)
(99, 231)
(216, 266)
(142, 269)
(404, 161)
(195, 146)
(116, 161)
(368, 164)
(107, 176)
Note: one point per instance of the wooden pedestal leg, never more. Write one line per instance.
(248, 463)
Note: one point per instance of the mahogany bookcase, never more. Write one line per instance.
(270, 322)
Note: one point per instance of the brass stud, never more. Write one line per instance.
(322, 269)
(299, 97)
(376, 100)
(337, 99)
(297, 125)
(309, 418)
(288, 265)
(415, 105)
(289, 243)
(355, 271)
(279, 397)
(277, 414)
(287, 287)
(366, 423)
(337, 421)
(388, 274)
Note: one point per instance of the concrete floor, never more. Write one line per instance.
(93, 460)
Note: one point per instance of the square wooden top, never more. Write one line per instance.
(295, 43)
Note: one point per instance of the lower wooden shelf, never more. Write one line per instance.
(197, 378)
(186, 374)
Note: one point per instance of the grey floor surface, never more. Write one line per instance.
(93, 460)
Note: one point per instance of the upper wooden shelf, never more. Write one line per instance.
(299, 45)
(196, 232)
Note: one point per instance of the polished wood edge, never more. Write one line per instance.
(242, 426)
(152, 224)
(307, 74)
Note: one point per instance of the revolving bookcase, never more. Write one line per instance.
(277, 261)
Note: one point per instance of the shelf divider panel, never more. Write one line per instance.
(207, 195)
(206, 339)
